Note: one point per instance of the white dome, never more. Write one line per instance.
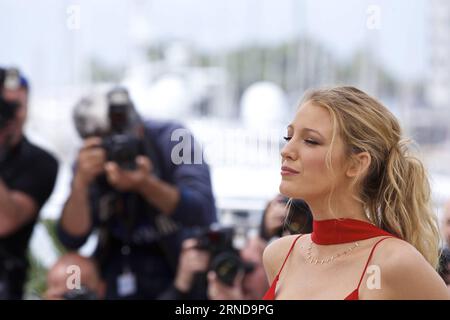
(263, 104)
(168, 97)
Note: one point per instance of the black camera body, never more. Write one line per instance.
(122, 149)
(9, 79)
(83, 293)
(7, 112)
(225, 260)
(122, 144)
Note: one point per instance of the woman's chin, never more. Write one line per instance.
(292, 190)
(286, 190)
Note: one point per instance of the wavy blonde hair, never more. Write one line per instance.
(395, 190)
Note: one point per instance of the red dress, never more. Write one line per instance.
(332, 232)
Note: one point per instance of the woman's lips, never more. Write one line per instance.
(286, 171)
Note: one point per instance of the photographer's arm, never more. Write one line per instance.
(188, 197)
(21, 201)
(181, 201)
(160, 194)
(16, 208)
(191, 177)
(157, 192)
(76, 218)
(196, 205)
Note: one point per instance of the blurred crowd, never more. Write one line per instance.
(149, 200)
(209, 265)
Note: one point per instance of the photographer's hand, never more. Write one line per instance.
(76, 217)
(220, 291)
(129, 180)
(91, 161)
(159, 193)
(192, 261)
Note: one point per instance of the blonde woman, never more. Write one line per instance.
(374, 233)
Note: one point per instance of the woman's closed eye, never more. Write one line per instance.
(311, 142)
(307, 141)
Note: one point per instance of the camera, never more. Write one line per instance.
(115, 120)
(122, 149)
(225, 260)
(83, 293)
(121, 145)
(9, 79)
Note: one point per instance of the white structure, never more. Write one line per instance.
(263, 105)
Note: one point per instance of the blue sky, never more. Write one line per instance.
(35, 35)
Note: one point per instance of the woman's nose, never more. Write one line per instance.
(289, 152)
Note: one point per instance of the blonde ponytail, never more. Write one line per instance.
(402, 204)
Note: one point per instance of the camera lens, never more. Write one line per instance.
(227, 265)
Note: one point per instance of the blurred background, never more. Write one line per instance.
(212, 64)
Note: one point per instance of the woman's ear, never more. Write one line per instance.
(359, 163)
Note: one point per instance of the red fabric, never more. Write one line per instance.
(354, 295)
(336, 231)
(270, 294)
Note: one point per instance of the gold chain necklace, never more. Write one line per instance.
(313, 260)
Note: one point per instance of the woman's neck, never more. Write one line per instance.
(343, 207)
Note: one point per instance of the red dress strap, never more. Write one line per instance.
(289, 253)
(368, 260)
(270, 294)
(354, 295)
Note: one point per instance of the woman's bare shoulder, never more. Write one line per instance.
(275, 253)
(405, 273)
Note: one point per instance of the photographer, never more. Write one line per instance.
(127, 185)
(210, 267)
(444, 266)
(283, 217)
(444, 261)
(280, 218)
(445, 224)
(74, 277)
(190, 280)
(27, 178)
(247, 285)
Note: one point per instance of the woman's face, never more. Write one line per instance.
(304, 170)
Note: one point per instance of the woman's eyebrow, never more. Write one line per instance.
(306, 129)
(312, 130)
